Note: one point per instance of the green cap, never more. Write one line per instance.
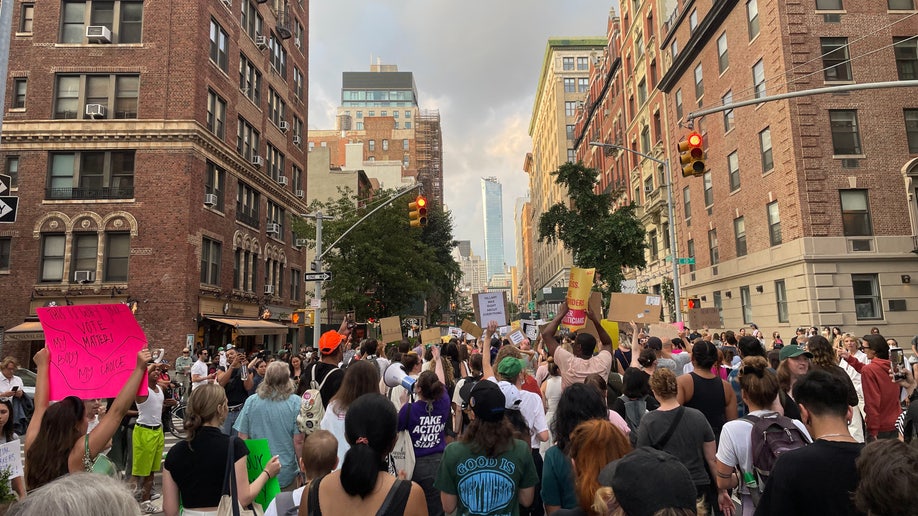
(510, 367)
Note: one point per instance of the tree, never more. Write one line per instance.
(598, 234)
(382, 266)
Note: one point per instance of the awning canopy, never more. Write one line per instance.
(252, 326)
(30, 330)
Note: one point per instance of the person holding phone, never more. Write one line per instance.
(881, 394)
(10, 384)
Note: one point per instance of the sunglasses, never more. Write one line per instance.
(863, 348)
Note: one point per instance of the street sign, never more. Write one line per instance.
(315, 303)
(531, 306)
(686, 261)
(6, 183)
(8, 208)
(317, 276)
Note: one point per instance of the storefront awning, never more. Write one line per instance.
(26, 331)
(252, 326)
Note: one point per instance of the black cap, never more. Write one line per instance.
(654, 343)
(487, 401)
(647, 480)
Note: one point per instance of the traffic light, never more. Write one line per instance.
(417, 212)
(694, 302)
(691, 155)
(298, 317)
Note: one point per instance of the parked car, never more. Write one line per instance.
(28, 381)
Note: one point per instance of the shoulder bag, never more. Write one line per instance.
(229, 502)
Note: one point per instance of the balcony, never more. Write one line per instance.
(86, 194)
(247, 217)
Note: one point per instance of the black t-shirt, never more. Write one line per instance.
(331, 385)
(198, 469)
(815, 479)
(235, 388)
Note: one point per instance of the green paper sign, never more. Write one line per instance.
(256, 460)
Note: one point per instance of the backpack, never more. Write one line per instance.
(772, 435)
(634, 412)
(284, 505)
(312, 410)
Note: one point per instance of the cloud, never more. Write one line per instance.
(477, 62)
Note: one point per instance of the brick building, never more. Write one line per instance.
(158, 155)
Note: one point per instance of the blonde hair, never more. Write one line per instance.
(9, 360)
(205, 404)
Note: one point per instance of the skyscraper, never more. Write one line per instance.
(492, 201)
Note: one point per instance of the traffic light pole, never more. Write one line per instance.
(670, 214)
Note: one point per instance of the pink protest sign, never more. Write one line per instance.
(92, 349)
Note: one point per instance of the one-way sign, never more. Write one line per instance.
(317, 276)
(8, 206)
(6, 183)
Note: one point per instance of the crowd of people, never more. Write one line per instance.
(703, 423)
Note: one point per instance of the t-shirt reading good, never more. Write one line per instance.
(686, 443)
(486, 485)
(427, 424)
(198, 468)
(815, 479)
(575, 369)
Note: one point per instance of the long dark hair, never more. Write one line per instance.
(7, 429)
(578, 403)
(369, 427)
(361, 377)
(430, 386)
(47, 458)
(489, 438)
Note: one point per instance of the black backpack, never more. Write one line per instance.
(772, 435)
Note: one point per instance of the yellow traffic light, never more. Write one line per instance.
(691, 155)
(417, 212)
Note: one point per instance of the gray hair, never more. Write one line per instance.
(79, 494)
(277, 385)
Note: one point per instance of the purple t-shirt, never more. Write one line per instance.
(428, 430)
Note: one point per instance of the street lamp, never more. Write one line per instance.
(671, 215)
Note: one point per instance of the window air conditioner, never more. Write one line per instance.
(282, 180)
(269, 289)
(300, 242)
(84, 276)
(272, 228)
(258, 160)
(95, 110)
(261, 42)
(648, 188)
(284, 125)
(300, 194)
(297, 139)
(98, 34)
(210, 199)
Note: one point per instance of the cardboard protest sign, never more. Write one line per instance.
(641, 308)
(578, 294)
(472, 329)
(255, 461)
(707, 317)
(92, 349)
(516, 337)
(595, 305)
(490, 306)
(430, 336)
(454, 331)
(611, 328)
(390, 329)
(504, 330)
(530, 328)
(664, 331)
(11, 458)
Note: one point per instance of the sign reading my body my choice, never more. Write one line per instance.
(92, 349)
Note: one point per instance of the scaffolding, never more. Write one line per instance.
(429, 144)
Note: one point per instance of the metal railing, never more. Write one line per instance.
(81, 193)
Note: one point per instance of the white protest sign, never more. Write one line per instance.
(490, 306)
(11, 459)
(516, 337)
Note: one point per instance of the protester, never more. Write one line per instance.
(411, 364)
(881, 393)
(551, 392)
(636, 399)
(237, 383)
(148, 440)
(296, 368)
(463, 388)
(193, 472)
(361, 377)
(15, 485)
(703, 390)
(56, 442)
(78, 494)
(425, 420)
(663, 358)
(580, 362)
(602, 387)
(888, 477)
(747, 347)
(795, 362)
(627, 491)
(362, 483)
(819, 478)
(183, 365)
(318, 457)
(594, 444)
(825, 358)
(326, 369)
(257, 370)
(271, 414)
(200, 371)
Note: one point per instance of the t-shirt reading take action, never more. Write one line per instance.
(486, 485)
(427, 429)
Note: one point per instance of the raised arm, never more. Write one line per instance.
(486, 368)
(604, 337)
(636, 346)
(438, 364)
(41, 396)
(548, 334)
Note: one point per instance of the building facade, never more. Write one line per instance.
(158, 157)
(492, 202)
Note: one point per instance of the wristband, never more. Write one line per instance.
(266, 473)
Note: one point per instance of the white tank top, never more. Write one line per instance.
(151, 410)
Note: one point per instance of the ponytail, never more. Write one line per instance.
(370, 427)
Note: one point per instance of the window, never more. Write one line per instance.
(385, 145)
(247, 140)
(278, 56)
(699, 82)
(829, 5)
(219, 44)
(855, 210)
(648, 186)
(911, 130)
(768, 161)
(733, 170)
(12, 170)
(712, 247)
(407, 125)
(708, 189)
(835, 61)
(5, 250)
(360, 126)
(781, 301)
(295, 289)
(371, 145)
(758, 79)
(901, 5)
(25, 17)
(567, 63)
(690, 247)
(845, 137)
(298, 85)
(117, 254)
(299, 35)
(210, 261)
(866, 296)
(117, 94)
(407, 114)
(405, 144)
(298, 130)
(91, 175)
(52, 258)
(752, 16)
(728, 114)
(570, 131)
(645, 140)
(277, 215)
(214, 183)
(674, 48)
(774, 223)
(276, 162)
(638, 46)
(247, 205)
(739, 231)
(571, 156)
(718, 302)
(124, 18)
(687, 202)
(746, 302)
(653, 244)
(723, 59)
(277, 106)
(20, 85)
(251, 21)
(642, 92)
(583, 84)
(570, 85)
(679, 103)
(583, 63)
(693, 20)
(906, 50)
(250, 81)
(216, 114)
(570, 108)
(85, 252)
(296, 178)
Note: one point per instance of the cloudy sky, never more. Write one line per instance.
(478, 62)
